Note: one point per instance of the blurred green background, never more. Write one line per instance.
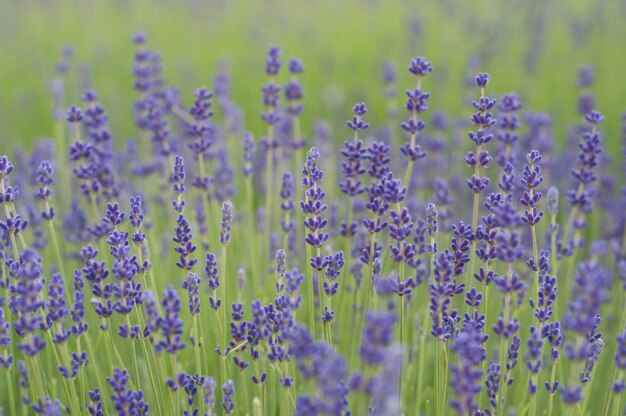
(532, 47)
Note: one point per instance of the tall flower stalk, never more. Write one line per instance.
(484, 120)
(416, 103)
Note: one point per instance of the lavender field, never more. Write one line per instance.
(285, 208)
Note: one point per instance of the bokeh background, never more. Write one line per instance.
(533, 47)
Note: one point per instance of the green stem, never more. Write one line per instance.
(420, 373)
(402, 354)
(505, 315)
(311, 294)
(11, 393)
(223, 310)
(57, 249)
(552, 379)
(251, 230)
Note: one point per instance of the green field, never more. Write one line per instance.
(532, 47)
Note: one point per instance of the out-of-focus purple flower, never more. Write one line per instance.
(420, 66)
(581, 198)
(226, 223)
(293, 89)
(26, 302)
(377, 336)
(192, 286)
(126, 401)
(492, 383)
(508, 126)
(228, 391)
(272, 62)
(44, 180)
(170, 324)
(177, 179)
(571, 395)
(318, 362)
(389, 79)
(586, 77)
(286, 194)
(533, 357)
(213, 280)
(442, 289)
(249, 153)
(271, 92)
(467, 375)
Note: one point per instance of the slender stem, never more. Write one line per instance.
(444, 376)
(617, 406)
(553, 260)
(552, 378)
(409, 165)
(420, 372)
(402, 354)
(57, 249)
(505, 315)
(134, 354)
(438, 409)
(269, 186)
(536, 272)
(10, 392)
(223, 310)
(311, 294)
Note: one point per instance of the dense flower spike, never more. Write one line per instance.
(508, 127)
(354, 153)
(126, 402)
(170, 324)
(226, 224)
(484, 120)
(466, 375)
(585, 175)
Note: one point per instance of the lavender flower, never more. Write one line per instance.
(228, 391)
(192, 286)
(466, 375)
(126, 402)
(177, 179)
(249, 153)
(508, 126)
(531, 179)
(185, 244)
(44, 180)
(170, 324)
(484, 120)
(226, 224)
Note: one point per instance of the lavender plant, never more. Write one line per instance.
(387, 296)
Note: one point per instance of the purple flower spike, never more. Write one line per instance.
(482, 79)
(74, 114)
(272, 62)
(125, 401)
(420, 66)
(192, 286)
(226, 223)
(228, 391)
(170, 324)
(358, 122)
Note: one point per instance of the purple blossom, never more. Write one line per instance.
(170, 324)
(126, 401)
(466, 375)
(226, 223)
